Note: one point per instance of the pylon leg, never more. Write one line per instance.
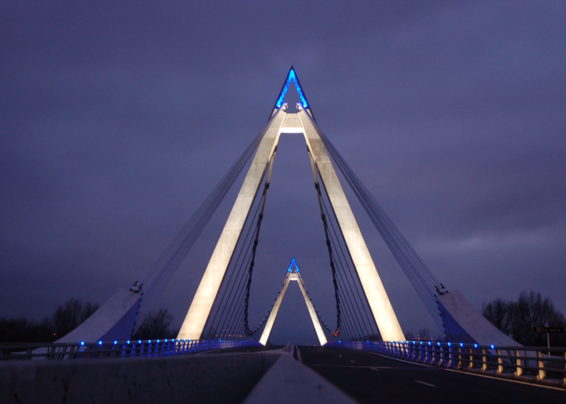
(209, 285)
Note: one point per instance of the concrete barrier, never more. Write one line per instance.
(210, 378)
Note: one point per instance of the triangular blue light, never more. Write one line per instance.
(291, 78)
(293, 267)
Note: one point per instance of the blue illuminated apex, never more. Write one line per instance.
(291, 78)
(293, 267)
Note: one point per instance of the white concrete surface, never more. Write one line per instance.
(289, 381)
(472, 321)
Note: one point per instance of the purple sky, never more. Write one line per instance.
(117, 118)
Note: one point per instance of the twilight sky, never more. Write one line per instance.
(116, 119)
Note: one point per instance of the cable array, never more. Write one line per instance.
(423, 280)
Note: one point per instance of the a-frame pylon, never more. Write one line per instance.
(293, 274)
(300, 122)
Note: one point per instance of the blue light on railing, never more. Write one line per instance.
(492, 347)
(450, 344)
(438, 343)
(149, 341)
(165, 340)
(421, 342)
(475, 345)
(115, 342)
(158, 341)
(429, 343)
(128, 342)
(461, 344)
(139, 341)
(99, 342)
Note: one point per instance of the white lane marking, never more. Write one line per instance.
(425, 383)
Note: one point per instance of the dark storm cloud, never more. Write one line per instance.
(117, 118)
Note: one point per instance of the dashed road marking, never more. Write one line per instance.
(425, 383)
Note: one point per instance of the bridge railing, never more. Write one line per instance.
(527, 363)
(115, 349)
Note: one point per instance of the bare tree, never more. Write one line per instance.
(517, 319)
(70, 314)
(155, 324)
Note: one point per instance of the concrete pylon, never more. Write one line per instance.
(282, 122)
(293, 274)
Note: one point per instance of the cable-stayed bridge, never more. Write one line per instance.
(218, 315)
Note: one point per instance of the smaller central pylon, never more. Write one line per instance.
(293, 274)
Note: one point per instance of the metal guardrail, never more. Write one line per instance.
(535, 364)
(115, 349)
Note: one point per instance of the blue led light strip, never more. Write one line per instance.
(292, 78)
(293, 267)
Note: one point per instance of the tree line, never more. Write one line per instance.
(518, 318)
(67, 316)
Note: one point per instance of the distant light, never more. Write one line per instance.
(429, 343)
(461, 344)
(492, 347)
(99, 342)
(450, 344)
(139, 341)
(438, 343)
(82, 342)
(128, 341)
(158, 341)
(115, 342)
(475, 345)
(165, 339)
(421, 342)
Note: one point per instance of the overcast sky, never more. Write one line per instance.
(116, 119)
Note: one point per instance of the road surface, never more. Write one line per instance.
(373, 378)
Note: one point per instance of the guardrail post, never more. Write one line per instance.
(484, 360)
(433, 354)
(450, 356)
(519, 370)
(499, 361)
(460, 363)
(541, 372)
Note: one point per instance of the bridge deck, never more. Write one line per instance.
(369, 378)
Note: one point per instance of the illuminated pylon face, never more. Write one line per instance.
(279, 123)
(293, 267)
(291, 79)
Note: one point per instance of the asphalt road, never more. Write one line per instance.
(373, 378)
